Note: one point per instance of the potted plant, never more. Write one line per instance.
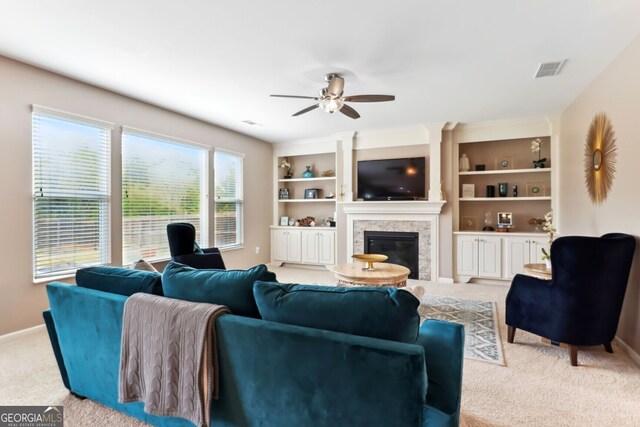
(536, 147)
(286, 165)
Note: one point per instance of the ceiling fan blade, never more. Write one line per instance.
(349, 112)
(336, 85)
(306, 110)
(293, 96)
(369, 98)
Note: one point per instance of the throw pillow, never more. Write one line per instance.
(377, 312)
(119, 280)
(143, 265)
(233, 288)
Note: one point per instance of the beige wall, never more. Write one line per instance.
(615, 92)
(20, 86)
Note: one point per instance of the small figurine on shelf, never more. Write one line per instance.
(286, 165)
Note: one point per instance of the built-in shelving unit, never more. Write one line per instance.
(322, 178)
(505, 199)
(307, 200)
(509, 161)
(506, 171)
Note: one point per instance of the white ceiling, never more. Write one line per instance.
(459, 61)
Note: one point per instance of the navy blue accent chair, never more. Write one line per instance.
(581, 304)
(184, 250)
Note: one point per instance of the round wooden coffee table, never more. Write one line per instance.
(384, 274)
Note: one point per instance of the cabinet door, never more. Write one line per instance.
(294, 246)
(467, 255)
(535, 250)
(517, 255)
(489, 253)
(327, 247)
(310, 246)
(279, 238)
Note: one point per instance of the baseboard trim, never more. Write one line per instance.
(627, 349)
(12, 336)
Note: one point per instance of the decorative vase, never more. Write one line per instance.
(547, 263)
(538, 165)
(308, 173)
(464, 163)
(502, 189)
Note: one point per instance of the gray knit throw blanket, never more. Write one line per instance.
(168, 357)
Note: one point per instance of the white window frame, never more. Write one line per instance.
(203, 231)
(104, 219)
(239, 243)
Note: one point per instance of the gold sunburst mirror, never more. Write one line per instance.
(600, 158)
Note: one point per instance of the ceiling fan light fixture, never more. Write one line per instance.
(331, 105)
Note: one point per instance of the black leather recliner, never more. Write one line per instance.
(184, 249)
(581, 304)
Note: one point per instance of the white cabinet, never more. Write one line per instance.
(467, 259)
(286, 245)
(522, 250)
(478, 256)
(491, 256)
(303, 245)
(318, 247)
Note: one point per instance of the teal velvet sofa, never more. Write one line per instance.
(274, 374)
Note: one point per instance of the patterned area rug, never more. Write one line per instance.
(482, 339)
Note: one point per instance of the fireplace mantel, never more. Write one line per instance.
(393, 207)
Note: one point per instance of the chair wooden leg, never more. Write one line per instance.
(573, 355)
(511, 333)
(607, 346)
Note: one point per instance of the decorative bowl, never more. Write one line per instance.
(369, 259)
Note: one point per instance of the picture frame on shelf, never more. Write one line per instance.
(468, 191)
(292, 221)
(284, 220)
(504, 162)
(469, 223)
(536, 189)
(505, 219)
(283, 194)
(311, 193)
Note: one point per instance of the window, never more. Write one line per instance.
(164, 180)
(71, 192)
(228, 199)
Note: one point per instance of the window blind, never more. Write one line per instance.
(163, 181)
(71, 192)
(228, 199)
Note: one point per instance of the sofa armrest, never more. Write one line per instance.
(443, 344)
(55, 345)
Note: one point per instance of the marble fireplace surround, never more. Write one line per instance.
(421, 217)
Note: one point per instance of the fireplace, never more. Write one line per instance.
(401, 247)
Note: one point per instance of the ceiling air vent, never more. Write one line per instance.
(550, 69)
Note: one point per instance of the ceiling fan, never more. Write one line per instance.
(330, 98)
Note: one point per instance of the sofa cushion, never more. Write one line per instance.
(233, 288)
(386, 313)
(119, 280)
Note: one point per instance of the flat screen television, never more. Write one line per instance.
(392, 179)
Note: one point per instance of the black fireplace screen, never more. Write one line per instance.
(400, 247)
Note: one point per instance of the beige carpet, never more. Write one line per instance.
(537, 387)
